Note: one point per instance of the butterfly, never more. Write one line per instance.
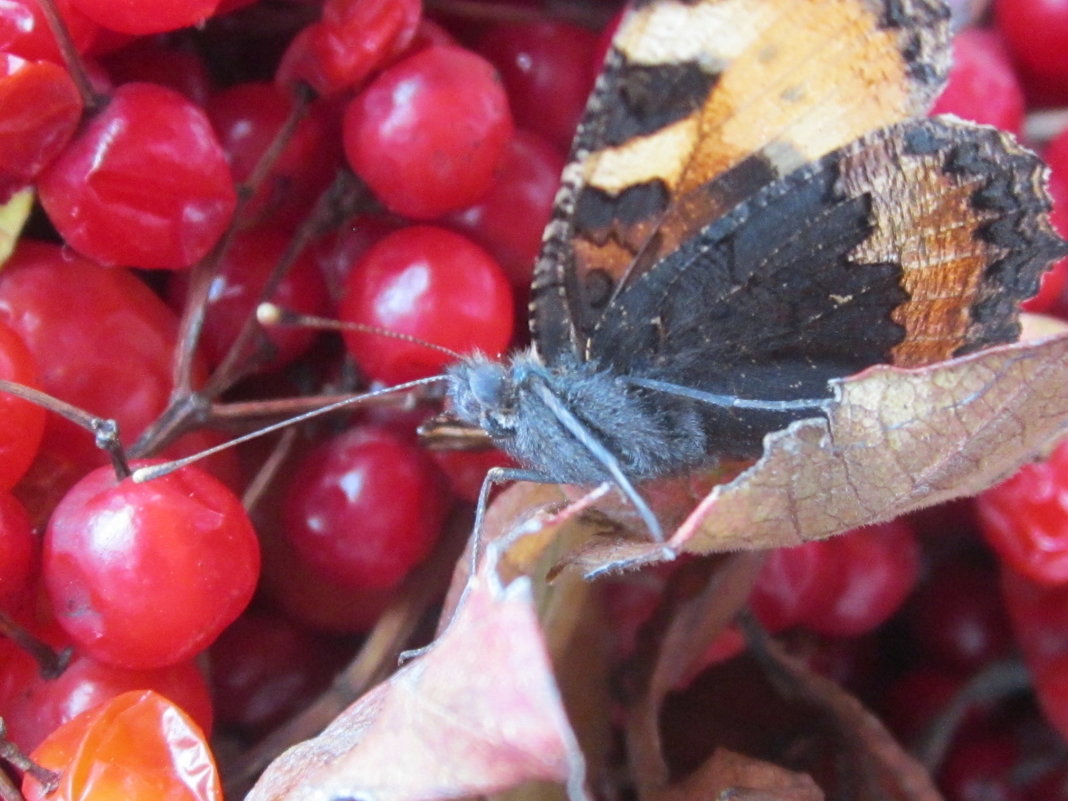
(752, 208)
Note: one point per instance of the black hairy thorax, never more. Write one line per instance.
(525, 407)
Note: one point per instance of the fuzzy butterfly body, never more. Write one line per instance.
(751, 209)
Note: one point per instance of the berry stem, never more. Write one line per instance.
(105, 431)
(243, 411)
(205, 270)
(91, 99)
(12, 754)
(337, 202)
(994, 682)
(51, 663)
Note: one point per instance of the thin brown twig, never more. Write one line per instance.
(105, 431)
(91, 99)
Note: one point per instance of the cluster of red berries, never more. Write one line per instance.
(356, 160)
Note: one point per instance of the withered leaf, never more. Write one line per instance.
(735, 777)
(476, 713)
(704, 597)
(880, 767)
(893, 440)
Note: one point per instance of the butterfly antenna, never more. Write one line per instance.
(268, 314)
(150, 472)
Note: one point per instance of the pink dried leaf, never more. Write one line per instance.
(477, 712)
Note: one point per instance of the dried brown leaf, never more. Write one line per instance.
(728, 775)
(705, 596)
(882, 768)
(476, 713)
(893, 441)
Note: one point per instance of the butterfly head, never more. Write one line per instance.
(482, 392)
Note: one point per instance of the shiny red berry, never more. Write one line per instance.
(24, 30)
(21, 422)
(144, 575)
(547, 69)
(983, 86)
(39, 110)
(146, 16)
(17, 546)
(843, 586)
(246, 118)
(430, 132)
(1025, 519)
(1052, 294)
(364, 507)
(42, 705)
(103, 342)
(236, 290)
(354, 38)
(432, 284)
(1037, 34)
(509, 219)
(144, 183)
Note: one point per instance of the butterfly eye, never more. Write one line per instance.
(487, 385)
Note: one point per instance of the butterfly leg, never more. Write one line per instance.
(495, 476)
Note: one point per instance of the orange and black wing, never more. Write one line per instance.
(911, 245)
(700, 104)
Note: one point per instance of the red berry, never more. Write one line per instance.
(247, 117)
(843, 586)
(146, 16)
(316, 601)
(339, 251)
(152, 61)
(982, 83)
(24, 30)
(466, 470)
(138, 747)
(43, 705)
(434, 285)
(104, 342)
(1037, 35)
(236, 290)
(1052, 294)
(956, 620)
(1039, 616)
(982, 770)
(17, 545)
(1025, 519)
(792, 586)
(264, 668)
(508, 220)
(547, 69)
(21, 422)
(880, 565)
(354, 38)
(39, 110)
(364, 507)
(430, 132)
(144, 184)
(146, 575)
(914, 700)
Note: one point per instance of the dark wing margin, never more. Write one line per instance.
(700, 104)
(910, 246)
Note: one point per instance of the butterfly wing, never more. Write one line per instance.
(911, 245)
(701, 103)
